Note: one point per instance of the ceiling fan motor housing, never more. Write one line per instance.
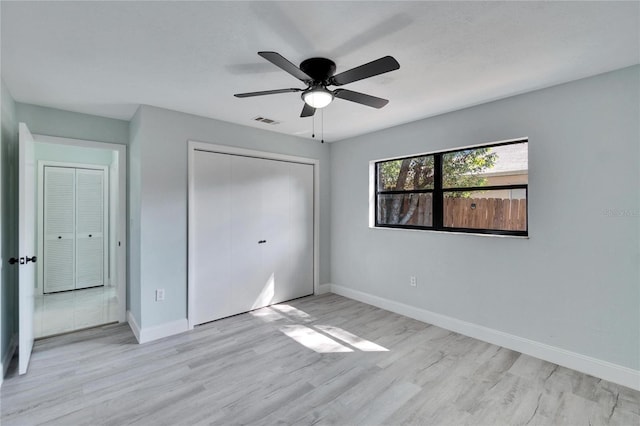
(319, 69)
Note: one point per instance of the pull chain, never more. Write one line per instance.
(313, 126)
(322, 125)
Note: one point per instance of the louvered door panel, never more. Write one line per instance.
(59, 214)
(89, 228)
(58, 269)
(90, 266)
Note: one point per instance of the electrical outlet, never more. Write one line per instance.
(413, 282)
(160, 295)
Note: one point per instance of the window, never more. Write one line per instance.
(480, 190)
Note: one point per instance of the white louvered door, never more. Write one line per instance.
(74, 228)
(89, 228)
(59, 232)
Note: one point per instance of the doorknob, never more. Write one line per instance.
(22, 260)
(262, 241)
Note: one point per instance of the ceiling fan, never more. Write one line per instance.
(317, 74)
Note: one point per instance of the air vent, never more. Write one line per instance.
(266, 120)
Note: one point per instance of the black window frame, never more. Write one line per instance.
(438, 191)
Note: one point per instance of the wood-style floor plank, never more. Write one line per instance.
(321, 360)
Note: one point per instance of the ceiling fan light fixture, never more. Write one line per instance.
(317, 97)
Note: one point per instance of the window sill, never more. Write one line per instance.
(475, 234)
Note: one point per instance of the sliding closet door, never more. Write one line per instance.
(59, 233)
(287, 213)
(211, 254)
(252, 287)
(296, 279)
(253, 230)
(89, 228)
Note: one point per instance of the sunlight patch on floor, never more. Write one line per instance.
(313, 340)
(319, 338)
(353, 340)
(267, 315)
(293, 313)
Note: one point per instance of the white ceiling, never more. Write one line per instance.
(106, 58)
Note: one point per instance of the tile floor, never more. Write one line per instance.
(74, 310)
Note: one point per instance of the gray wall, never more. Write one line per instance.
(159, 149)
(72, 154)
(8, 219)
(574, 283)
(134, 171)
(67, 124)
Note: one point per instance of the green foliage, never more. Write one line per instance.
(463, 168)
(460, 169)
(407, 174)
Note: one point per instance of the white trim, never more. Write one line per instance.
(121, 231)
(324, 288)
(144, 335)
(232, 150)
(603, 369)
(113, 218)
(372, 195)
(194, 146)
(133, 325)
(461, 148)
(11, 350)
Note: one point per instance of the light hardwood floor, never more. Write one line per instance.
(318, 360)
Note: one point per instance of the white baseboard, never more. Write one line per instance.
(324, 288)
(6, 360)
(133, 325)
(148, 334)
(602, 369)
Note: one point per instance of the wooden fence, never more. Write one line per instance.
(474, 213)
(485, 213)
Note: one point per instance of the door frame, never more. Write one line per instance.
(108, 267)
(192, 147)
(121, 214)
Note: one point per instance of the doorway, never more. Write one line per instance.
(71, 293)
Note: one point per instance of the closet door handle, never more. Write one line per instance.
(89, 235)
(262, 241)
(59, 237)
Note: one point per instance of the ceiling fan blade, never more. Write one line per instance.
(280, 61)
(307, 111)
(266, 92)
(361, 98)
(377, 67)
